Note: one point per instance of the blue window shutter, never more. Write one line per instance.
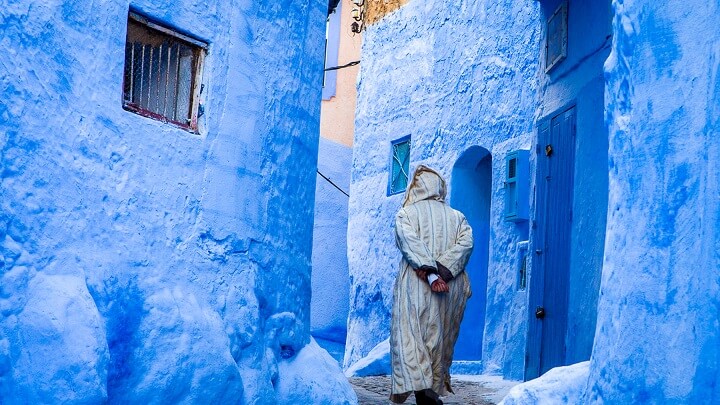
(516, 185)
(399, 166)
(511, 199)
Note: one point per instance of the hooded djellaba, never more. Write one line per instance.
(435, 241)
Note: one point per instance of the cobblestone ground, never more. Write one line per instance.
(469, 390)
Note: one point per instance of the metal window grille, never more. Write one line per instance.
(163, 70)
(400, 166)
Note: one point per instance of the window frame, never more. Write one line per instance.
(516, 198)
(405, 139)
(199, 49)
(560, 16)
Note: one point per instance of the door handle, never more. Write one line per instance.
(538, 251)
(540, 313)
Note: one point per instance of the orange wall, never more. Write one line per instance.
(337, 115)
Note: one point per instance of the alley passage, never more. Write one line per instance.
(469, 390)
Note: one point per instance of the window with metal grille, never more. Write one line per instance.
(163, 70)
(400, 165)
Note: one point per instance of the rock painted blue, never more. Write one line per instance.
(142, 263)
(330, 279)
(657, 338)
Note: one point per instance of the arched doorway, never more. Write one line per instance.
(470, 192)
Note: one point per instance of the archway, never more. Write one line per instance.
(471, 192)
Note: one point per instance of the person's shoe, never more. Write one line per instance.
(427, 397)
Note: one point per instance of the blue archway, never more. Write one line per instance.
(470, 192)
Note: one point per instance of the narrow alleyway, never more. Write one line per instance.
(469, 390)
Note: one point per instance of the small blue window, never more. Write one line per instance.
(399, 166)
(517, 176)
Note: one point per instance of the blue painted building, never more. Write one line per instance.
(330, 281)
(577, 138)
(157, 179)
(330, 278)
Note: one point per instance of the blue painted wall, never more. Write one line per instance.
(471, 75)
(330, 279)
(472, 194)
(140, 261)
(657, 338)
(454, 76)
(578, 80)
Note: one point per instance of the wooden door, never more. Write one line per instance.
(550, 280)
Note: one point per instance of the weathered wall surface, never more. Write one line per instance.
(375, 10)
(657, 338)
(140, 261)
(578, 81)
(452, 75)
(330, 279)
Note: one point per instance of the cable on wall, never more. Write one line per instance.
(357, 62)
(331, 182)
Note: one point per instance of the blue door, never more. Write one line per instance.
(550, 279)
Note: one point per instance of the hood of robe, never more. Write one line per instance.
(427, 184)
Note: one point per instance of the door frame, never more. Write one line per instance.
(467, 164)
(536, 285)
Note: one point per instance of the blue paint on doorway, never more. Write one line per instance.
(549, 293)
(471, 193)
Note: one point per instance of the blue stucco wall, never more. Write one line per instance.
(330, 279)
(453, 76)
(579, 81)
(657, 338)
(471, 75)
(140, 261)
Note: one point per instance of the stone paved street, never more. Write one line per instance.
(469, 390)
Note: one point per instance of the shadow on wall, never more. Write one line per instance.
(470, 193)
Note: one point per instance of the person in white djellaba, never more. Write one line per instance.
(430, 292)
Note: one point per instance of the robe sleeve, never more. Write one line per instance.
(412, 247)
(454, 259)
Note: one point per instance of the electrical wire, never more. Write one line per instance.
(357, 62)
(331, 182)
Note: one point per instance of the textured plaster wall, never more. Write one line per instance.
(579, 81)
(330, 278)
(657, 338)
(451, 75)
(140, 261)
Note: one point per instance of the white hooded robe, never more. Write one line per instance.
(425, 325)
